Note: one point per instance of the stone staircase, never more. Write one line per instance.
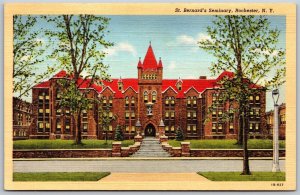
(151, 147)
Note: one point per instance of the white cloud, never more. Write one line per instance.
(185, 39)
(121, 47)
(172, 66)
(189, 40)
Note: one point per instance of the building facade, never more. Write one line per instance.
(159, 105)
(282, 122)
(22, 118)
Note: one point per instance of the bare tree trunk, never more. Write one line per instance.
(240, 127)
(77, 130)
(246, 168)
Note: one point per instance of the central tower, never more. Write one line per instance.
(150, 75)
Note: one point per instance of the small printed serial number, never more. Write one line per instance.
(276, 184)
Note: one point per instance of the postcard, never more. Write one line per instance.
(150, 96)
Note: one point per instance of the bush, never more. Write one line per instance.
(179, 134)
(119, 134)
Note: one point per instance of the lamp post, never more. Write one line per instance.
(138, 126)
(275, 168)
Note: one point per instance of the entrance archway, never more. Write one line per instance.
(150, 130)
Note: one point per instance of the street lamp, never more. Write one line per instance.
(275, 168)
(138, 126)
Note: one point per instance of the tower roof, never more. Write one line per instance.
(150, 60)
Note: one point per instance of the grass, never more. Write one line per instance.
(65, 144)
(60, 176)
(236, 176)
(228, 144)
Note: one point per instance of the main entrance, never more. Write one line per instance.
(150, 130)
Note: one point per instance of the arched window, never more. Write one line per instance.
(145, 96)
(167, 101)
(189, 101)
(104, 101)
(126, 101)
(153, 96)
(132, 101)
(172, 101)
(110, 101)
(194, 101)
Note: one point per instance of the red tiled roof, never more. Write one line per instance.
(187, 84)
(150, 60)
(45, 84)
(199, 84)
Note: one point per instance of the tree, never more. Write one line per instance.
(247, 46)
(28, 53)
(80, 50)
(119, 134)
(105, 120)
(179, 134)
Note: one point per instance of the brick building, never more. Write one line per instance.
(22, 118)
(159, 105)
(282, 122)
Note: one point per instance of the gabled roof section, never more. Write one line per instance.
(170, 87)
(128, 89)
(192, 87)
(60, 74)
(45, 84)
(150, 60)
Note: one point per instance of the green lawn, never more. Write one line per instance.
(60, 176)
(236, 176)
(65, 144)
(227, 144)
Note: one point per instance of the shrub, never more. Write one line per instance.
(119, 134)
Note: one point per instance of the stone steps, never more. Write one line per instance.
(150, 147)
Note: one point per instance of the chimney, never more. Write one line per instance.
(202, 77)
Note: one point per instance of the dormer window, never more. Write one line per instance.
(120, 84)
(179, 84)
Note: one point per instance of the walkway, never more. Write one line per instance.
(131, 165)
(151, 147)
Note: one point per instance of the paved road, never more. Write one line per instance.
(141, 166)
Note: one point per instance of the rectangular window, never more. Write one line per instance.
(127, 128)
(110, 115)
(85, 127)
(172, 128)
(166, 128)
(167, 114)
(172, 115)
(172, 102)
(189, 102)
(256, 126)
(194, 115)
(47, 97)
(167, 102)
(194, 128)
(126, 102)
(257, 98)
(47, 110)
(110, 102)
(127, 115)
(214, 127)
(214, 113)
(220, 113)
(189, 128)
(132, 115)
(41, 97)
(132, 128)
(41, 125)
(251, 97)
(194, 102)
(189, 114)
(132, 102)
(41, 110)
(110, 128)
(251, 126)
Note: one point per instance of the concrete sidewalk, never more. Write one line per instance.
(153, 177)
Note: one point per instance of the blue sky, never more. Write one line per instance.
(173, 38)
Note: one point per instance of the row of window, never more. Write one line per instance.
(149, 76)
(146, 96)
(20, 119)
